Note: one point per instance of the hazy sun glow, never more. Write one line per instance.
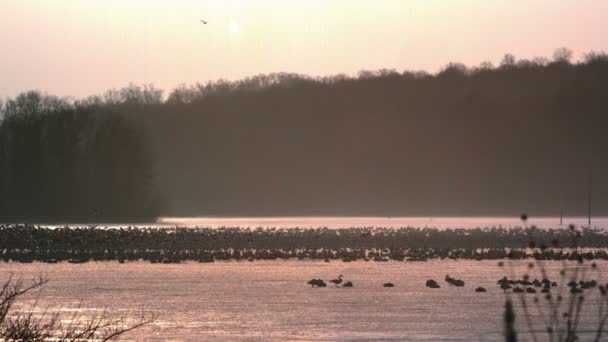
(234, 26)
(78, 48)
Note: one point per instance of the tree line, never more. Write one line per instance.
(487, 140)
(66, 161)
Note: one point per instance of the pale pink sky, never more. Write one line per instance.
(83, 47)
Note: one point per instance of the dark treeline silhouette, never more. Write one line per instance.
(26, 243)
(72, 162)
(466, 141)
(522, 136)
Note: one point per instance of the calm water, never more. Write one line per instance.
(350, 221)
(345, 222)
(225, 301)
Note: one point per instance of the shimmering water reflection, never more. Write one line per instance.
(270, 300)
(347, 222)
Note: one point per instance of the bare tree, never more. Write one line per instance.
(508, 61)
(595, 57)
(16, 325)
(562, 55)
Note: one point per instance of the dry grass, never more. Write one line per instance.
(558, 312)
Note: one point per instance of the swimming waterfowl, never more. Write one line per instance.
(432, 284)
(454, 281)
(317, 282)
(337, 281)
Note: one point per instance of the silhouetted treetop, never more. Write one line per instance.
(479, 140)
(64, 161)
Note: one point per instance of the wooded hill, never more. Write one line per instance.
(520, 137)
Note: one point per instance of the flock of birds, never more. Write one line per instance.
(505, 284)
(527, 286)
(30, 243)
(320, 283)
(337, 282)
(451, 281)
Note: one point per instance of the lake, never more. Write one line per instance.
(270, 300)
(349, 221)
(353, 221)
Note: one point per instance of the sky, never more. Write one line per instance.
(76, 48)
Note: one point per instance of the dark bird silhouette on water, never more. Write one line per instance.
(317, 282)
(204, 22)
(337, 281)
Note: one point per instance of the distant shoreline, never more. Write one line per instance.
(440, 222)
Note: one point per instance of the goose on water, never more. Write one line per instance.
(337, 281)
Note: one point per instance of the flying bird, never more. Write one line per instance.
(204, 22)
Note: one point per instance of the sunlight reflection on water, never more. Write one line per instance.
(346, 222)
(338, 222)
(270, 300)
